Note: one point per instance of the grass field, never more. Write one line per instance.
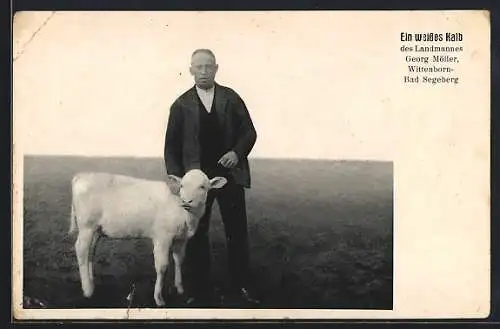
(321, 235)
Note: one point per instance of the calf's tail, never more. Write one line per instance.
(73, 225)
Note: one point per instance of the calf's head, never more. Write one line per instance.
(194, 187)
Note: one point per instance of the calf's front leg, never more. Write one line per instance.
(161, 252)
(179, 251)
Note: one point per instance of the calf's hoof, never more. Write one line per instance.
(88, 293)
(180, 290)
(159, 301)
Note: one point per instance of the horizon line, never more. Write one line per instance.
(161, 158)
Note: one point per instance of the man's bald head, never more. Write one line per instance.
(203, 51)
(203, 68)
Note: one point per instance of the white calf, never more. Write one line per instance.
(119, 206)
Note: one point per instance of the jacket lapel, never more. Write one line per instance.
(193, 101)
(192, 122)
(220, 104)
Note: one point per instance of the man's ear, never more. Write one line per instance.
(217, 182)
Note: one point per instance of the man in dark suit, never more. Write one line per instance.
(209, 128)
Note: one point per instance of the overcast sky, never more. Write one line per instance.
(100, 83)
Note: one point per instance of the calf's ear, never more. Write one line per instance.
(174, 183)
(218, 182)
(174, 179)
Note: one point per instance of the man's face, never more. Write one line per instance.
(203, 69)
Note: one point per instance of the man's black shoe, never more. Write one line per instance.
(244, 294)
(200, 300)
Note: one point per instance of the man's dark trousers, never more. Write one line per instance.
(231, 201)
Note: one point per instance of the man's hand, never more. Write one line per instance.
(229, 160)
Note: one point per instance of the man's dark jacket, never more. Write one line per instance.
(182, 147)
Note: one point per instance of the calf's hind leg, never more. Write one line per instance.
(82, 248)
(92, 249)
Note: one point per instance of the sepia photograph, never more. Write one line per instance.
(233, 161)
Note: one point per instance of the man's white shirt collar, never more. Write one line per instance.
(205, 92)
(206, 96)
